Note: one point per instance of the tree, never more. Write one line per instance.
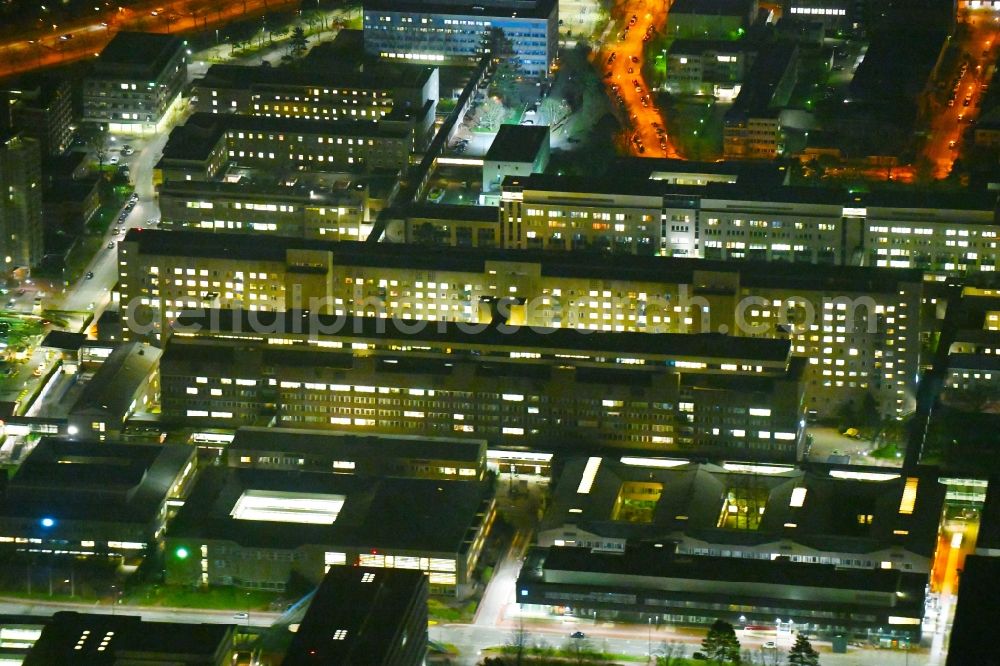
(298, 42)
(506, 63)
(802, 653)
(670, 653)
(720, 644)
(492, 114)
(517, 644)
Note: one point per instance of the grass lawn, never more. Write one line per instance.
(451, 612)
(80, 255)
(216, 598)
(888, 452)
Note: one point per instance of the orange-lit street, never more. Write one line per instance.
(956, 540)
(965, 91)
(621, 63)
(66, 44)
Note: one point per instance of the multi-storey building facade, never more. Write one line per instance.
(944, 234)
(448, 31)
(506, 384)
(136, 81)
(43, 110)
(307, 210)
(201, 148)
(20, 202)
(939, 234)
(858, 327)
(714, 67)
(386, 91)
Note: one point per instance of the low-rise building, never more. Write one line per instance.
(136, 83)
(871, 519)
(517, 150)
(710, 19)
(654, 585)
(544, 388)
(124, 383)
(707, 67)
(364, 616)
(449, 225)
(255, 528)
(89, 499)
(372, 455)
(752, 128)
(75, 639)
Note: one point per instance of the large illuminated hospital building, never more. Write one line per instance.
(544, 388)
(861, 337)
(938, 233)
(450, 31)
(254, 526)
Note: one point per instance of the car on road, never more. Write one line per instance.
(134, 197)
(65, 38)
(632, 21)
(578, 634)
(127, 150)
(770, 645)
(90, 275)
(635, 59)
(37, 372)
(113, 160)
(111, 245)
(241, 616)
(20, 292)
(611, 58)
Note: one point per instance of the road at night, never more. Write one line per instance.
(979, 49)
(87, 40)
(621, 62)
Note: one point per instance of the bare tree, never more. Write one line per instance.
(669, 653)
(517, 644)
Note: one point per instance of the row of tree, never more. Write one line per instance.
(721, 647)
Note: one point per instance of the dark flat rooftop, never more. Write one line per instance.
(972, 637)
(140, 50)
(131, 639)
(354, 446)
(372, 606)
(575, 185)
(373, 76)
(522, 8)
(664, 345)
(107, 481)
(453, 212)
(389, 513)
(601, 266)
(712, 7)
(195, 139)
(518, 143)
(649, 562)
